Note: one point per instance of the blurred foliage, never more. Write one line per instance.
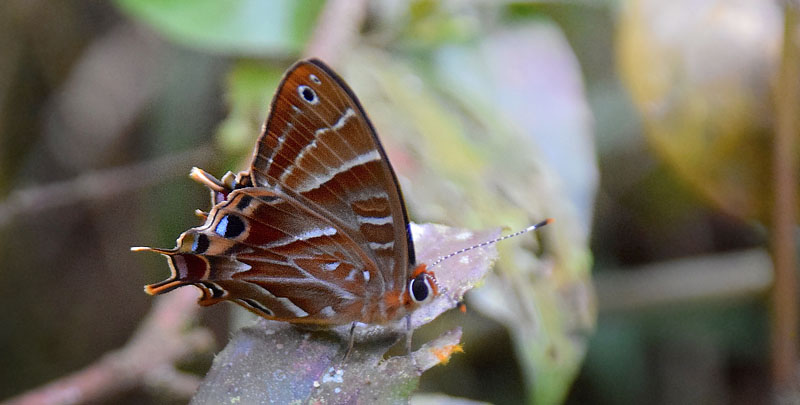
(493, 114)
(703, 91)
(249, 88)
(235, 27)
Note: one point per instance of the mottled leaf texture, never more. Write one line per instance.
(275, 362)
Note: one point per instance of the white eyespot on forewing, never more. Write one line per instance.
(314, 78)
(307, 94)
(241, 267)
(316, 233)
(331, 266)
(327, 312)
(366, 275)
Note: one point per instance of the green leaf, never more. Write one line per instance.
(249, 88)
(248, 27)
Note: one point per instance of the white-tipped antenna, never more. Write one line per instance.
(489, 242)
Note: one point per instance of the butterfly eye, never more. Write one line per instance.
(308, 94)
(421, 288)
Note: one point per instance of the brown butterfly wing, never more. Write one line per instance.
(317, 232)
(273, 257)
(319, 148)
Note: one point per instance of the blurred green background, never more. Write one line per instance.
(645, 128)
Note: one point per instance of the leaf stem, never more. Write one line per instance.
(784, 291)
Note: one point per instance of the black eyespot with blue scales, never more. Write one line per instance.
(200, 244)
(230, 226)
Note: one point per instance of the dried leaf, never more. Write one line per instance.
(275, 362)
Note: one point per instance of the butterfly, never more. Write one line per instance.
(316, 231)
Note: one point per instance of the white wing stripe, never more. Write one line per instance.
(335, 289)
(316, 233)
(376, 245)
(376, 220)
(349, 113)
(310, 234)
(287, 303)
(359, 160)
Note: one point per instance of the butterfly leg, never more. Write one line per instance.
(409, 334)
(351, 343)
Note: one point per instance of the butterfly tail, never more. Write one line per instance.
(185, 268)
(164, 286)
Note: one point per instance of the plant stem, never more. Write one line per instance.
(784, 291)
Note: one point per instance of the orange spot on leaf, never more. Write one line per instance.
(444, 353)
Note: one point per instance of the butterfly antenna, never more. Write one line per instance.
(489, 242)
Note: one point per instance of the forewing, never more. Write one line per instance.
(319, 147)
